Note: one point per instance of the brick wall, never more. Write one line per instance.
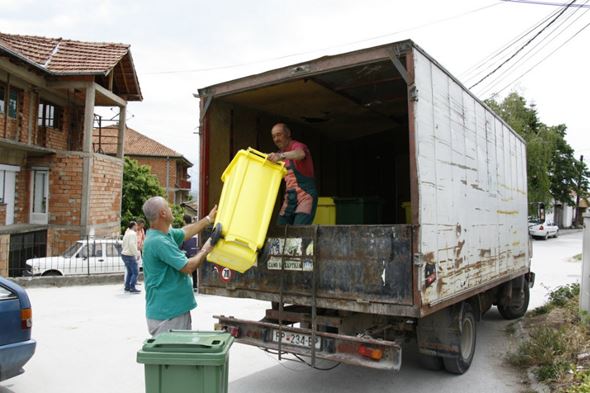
(58, 139)
(105, 190)
(65, 189)
(22, 194)
(58, 240)
(2, 214)
(158, 168)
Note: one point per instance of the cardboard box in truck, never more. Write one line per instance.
(386, 124)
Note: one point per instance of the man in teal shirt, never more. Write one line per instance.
(167, 271)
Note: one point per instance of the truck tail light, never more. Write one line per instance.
(371, 353)
(26, 318)
(234, 331)
(541, 228)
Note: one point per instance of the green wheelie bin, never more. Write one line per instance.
(183, 361)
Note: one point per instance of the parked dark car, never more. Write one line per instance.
(16, 320)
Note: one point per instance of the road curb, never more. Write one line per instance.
(68, 281)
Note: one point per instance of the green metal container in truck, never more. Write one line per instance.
(179, 359)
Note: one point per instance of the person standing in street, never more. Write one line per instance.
(140, 230)
(301, 197)
(190, 249)
(129, 256)
(166, 269)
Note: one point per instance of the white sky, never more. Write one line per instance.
(192, 35)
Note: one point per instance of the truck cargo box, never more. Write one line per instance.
(390, 122)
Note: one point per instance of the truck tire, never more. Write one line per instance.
(518, 306)
(429, 362)
(461, 362)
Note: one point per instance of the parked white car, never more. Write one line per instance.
(543, 230)
(95, 256)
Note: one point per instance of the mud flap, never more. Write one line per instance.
(439, 334)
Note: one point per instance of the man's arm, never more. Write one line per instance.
(296, 155)
(195, 228)
(196, 261)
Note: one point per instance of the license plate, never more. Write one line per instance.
(300, 340)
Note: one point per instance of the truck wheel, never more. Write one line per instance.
(518, 306)
(460, 363)
(428, 362)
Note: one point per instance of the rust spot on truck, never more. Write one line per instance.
(429, 257)
(519, 256)
(485, 253)
(458, 251)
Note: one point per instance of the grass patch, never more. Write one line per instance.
(577, 257)
(559, 298)
(557, 334)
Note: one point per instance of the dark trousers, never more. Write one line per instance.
(132, 271)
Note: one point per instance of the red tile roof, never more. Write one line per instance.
(136, 144)
(62, 57)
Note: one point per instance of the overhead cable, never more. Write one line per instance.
(522, 47)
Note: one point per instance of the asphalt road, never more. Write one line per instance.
(88, 337)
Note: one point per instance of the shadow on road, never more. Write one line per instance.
(488, 372)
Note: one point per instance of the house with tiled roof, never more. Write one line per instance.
(169, 166)
(54, 188)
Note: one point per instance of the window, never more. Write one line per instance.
(87, 249)
(98, 250)
(12, 103)
(6, 294)
(2, 99)
(40, 191)
(112, 250)
(49, 115)
(2, 185)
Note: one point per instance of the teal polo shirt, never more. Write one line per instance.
(168, 292)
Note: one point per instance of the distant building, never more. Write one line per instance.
(54, 188)
(169, 166)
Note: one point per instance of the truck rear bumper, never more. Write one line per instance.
(357, 351)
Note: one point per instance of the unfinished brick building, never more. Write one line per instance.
(169, 166)
(55, 188)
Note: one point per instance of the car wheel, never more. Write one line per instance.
(51, 273)
(556, 232)
(546, 236)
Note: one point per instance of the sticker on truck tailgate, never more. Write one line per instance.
(274, 263)
(293, 246)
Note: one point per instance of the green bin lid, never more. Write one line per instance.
(185, 347)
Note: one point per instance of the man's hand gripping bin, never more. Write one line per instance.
(251, 185)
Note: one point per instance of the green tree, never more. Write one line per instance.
(139, 184)
(551, 165)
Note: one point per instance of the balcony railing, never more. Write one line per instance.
(183, 184)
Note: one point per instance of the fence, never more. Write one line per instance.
(30, 254)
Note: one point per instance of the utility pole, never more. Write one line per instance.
(585, 284)
(577, 221)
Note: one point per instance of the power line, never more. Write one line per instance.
(522, 47)
(485, 61)
(237, 65)
(545, 3)
(506, 73)
(542, 60)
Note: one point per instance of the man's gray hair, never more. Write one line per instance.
(151, 208)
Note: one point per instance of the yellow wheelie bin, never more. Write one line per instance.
(251, 184)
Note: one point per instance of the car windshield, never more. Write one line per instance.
(71, 250)
(535, 221)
